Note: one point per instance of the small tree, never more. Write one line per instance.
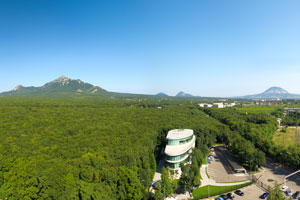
(183, 177)
(275, 193)
(158, 195)
(197, 181)
(166, 184)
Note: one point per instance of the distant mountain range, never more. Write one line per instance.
(66, 86)
(272, 93)
(179, 94)
(61, 85)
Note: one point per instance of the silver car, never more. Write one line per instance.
(289, 192)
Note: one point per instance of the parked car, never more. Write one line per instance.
(239, 192)
(224, 196)
(219, 198)
(264, 195)
(284, 188)
(296, 194)
(230, 196)
(289, 192)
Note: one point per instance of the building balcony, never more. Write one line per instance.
(178, 161)
(180, 149)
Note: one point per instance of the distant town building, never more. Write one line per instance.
(179, 148)
(229, 104)
(289, 110)
(218, 105)
(232, 104)
(203, 105)
(271, 103)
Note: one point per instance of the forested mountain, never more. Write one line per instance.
(66, 87)
(273, 93)
(161, 94)
(182, 94)
(61, 85)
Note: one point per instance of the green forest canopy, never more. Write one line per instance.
(101, 148)
(86, 148)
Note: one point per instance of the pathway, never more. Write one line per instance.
(157, 175)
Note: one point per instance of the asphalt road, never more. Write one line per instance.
(274, 172)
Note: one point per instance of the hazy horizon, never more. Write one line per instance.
(204, 48)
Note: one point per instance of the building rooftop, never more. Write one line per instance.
(176, 134)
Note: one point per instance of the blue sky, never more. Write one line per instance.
(203, 47)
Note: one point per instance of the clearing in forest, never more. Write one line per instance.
(287, 136)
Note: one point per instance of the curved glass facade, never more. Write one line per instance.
(176, 158)
(179, 151)
(180, 141)
(177, 165)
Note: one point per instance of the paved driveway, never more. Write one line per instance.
(274, 172)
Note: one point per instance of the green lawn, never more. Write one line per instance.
(204, 162)
(200, 176)
(286, 138)
(210, 190)
(233, 181)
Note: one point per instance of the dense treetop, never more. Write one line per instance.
(86, 148)
(106, 148)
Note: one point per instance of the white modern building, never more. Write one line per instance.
(179, 148)
(203, 105)
(218, 105)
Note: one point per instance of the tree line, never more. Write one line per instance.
(256, 129)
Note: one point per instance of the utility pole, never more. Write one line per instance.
(207, 177)
(296, 133)
(250, 170)
(297, 136)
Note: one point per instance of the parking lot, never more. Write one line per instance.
(251, 192)
(221, 171)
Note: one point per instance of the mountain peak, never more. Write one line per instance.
(273, 93)
(182, 94)
(275, 90)
(18, 87)
(61, 79)
(64, 81)
(161, 94)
